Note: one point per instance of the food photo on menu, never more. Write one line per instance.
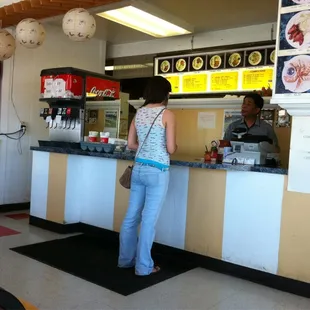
(295, 30)
(198, 63)
(181, 64)
(293, 74)
(255, 58)
(235, 60)
(294, 2)
(165, 66)
(216, 62)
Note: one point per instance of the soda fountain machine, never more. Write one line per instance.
(66, 91)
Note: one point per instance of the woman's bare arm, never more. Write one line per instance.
(170, 124)
(132, 137)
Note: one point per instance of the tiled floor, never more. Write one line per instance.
(51, 289)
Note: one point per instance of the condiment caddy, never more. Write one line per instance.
(219, 150)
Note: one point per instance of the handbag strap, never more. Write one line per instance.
(150, 130)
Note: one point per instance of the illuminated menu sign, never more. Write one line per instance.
(231, 71)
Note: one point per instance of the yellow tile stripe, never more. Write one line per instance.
(56, 196)
(294, 252)
(205, 212)
(27, 305)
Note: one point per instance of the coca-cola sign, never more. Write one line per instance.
(102, 87)
(103, 93)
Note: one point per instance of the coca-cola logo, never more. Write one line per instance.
(103, 93)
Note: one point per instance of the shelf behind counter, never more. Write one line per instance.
(177, 160)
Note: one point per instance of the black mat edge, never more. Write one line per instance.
(106, 240)
(42, 261)
(14, 207)
(259, 277)
(9, 302)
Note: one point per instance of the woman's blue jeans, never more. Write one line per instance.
(149, 187)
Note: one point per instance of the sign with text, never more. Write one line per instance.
(221, 81)
(254, 79)
(224, 81)
(175, 83)
(195, 83)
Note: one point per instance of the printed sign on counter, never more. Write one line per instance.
(254, 79)
(299, 169)
(300, 136)
(195, 83)
(175, 83)
(224, 81)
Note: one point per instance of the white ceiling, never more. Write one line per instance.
(203, 15)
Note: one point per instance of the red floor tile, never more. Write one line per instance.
(19, 216)
(4, 232)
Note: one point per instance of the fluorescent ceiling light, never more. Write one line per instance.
(128, 67)
(143, 21)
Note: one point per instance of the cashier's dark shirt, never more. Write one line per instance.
(260, 128)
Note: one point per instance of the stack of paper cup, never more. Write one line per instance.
(93, 136)
(104, 137)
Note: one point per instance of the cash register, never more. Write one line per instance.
(251, 150)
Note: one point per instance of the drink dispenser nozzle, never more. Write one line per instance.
(63, 118)
(74, 124)
(75, 117)
(68, 118)
(53, 112)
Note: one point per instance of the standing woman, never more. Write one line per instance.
(153, 134)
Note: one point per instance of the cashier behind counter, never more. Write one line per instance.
(251, 108)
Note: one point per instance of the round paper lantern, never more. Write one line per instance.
(79, 25)
(30, 33)
(7, 45)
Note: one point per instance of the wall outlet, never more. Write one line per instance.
(23, 125)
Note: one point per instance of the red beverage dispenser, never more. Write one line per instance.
(66, 90)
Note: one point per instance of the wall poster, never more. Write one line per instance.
(293, 50)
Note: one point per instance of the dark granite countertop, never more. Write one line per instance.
(184, 162)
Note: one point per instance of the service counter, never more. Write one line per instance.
(238, 214)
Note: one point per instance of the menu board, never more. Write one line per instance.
(196, 83)
(221, 81)
(224, 81)
(253, 79)
(175, 83)
(293, 50)
(228, 71)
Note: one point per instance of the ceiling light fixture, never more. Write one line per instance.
(148, 19)
(129, 67)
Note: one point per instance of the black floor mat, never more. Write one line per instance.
(95, 260)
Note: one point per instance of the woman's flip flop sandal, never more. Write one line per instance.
(156, 270)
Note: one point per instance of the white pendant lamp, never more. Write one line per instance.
(79, 25)
(30, 33)
(7, 45)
